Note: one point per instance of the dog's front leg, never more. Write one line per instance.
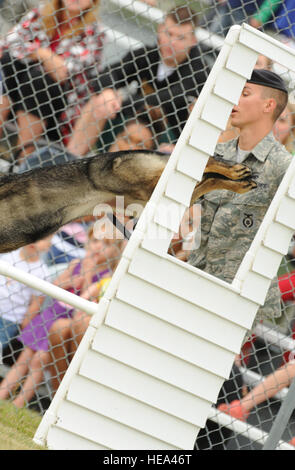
(213, 184)
(234, 171)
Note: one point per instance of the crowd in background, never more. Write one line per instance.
(60, 103)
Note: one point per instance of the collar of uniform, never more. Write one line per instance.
(263, 148)
(228, 150)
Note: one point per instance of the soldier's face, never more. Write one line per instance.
(251, 107)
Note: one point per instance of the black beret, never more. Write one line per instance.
(268, 78)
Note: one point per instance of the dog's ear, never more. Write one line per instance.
(116, 163)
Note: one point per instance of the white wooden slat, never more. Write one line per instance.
(255, 287)
(217, 111)
(231, 93)
(171, 339)
(204, 137)
(145, 388)
(241, 60)
(268, 46)
(181, 313)
(169, 213)
(106, 432)
(157, 238)
(131, 413)
(159, 364)
(286, 212)
(291, 189)
(193, 285)
(278, 237)
(180, 188)
(192, 162)
(266, 262)
(60, 439)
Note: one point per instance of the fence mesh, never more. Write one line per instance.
(74, 84)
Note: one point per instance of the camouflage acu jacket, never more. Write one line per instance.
(230, 221)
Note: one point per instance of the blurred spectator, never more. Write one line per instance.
(12, 11)
(145, 131)
(18, 301)
(226, 13)
(161, 4)
(48, 61)
(135, 135)
(35, 329)
(284, 129)
(67, 244)
(278, 15)
(266, 13)
(186, 239)
(214, 436)
(66, 333)
(152, 3)
(272, 384)
(169, 75)
(263, 62)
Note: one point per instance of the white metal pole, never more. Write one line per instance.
(47, 288)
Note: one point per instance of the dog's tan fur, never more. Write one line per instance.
(37, 203)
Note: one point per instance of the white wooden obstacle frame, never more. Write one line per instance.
(163, 339)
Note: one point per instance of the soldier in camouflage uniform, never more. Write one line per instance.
(230, 220)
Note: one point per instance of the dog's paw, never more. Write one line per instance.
(239, 171)
(245, 186)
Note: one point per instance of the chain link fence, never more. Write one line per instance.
(74, 84)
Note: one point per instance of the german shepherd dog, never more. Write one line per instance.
(37, 203)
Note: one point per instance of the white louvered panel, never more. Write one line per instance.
(192, 285)
(268, 46)
(138, 394)
(180, 188)
(204, 137)
(60, 439)
(183, 314)
(169, 213)
(166, 337)
(266, 262)
(108, 433)
(291, 190)
(286, 212)
(192, 162)
(152, 361)
(145, 388)
(131, 413)
(231, 93)
(241, 60)
(255, 287)
(217, 111)
(278, 237)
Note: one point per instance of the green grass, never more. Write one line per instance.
(17, 428)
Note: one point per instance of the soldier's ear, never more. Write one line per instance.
(270, 105)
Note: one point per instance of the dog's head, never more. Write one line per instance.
(134, 171)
